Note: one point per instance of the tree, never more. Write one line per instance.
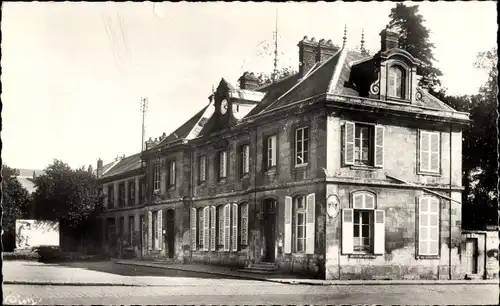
(15, 204)
(415, 39)
(265, 79)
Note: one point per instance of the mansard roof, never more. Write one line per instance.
(126, 164)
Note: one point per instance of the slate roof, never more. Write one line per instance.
(184, 130)
(126, 164)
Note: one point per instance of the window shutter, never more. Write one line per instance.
(193, 229)
(379, 232)
(246, 159)
(434, 152)
(150, 230)
(423, 222)
(221, 225)
(288, 225)
(434, 226)
(206, 228)
(227, 226)
(349, 143)
(347, 230)
(273, 150)
(172, 179)
(379, 146)
(234, 240)
(212, 228)
(310, 225)
(244, 224)
(160, 230)
(424, 151)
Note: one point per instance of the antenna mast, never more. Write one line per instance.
(144, 108)
(275, 72)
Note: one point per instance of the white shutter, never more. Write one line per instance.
(227, 226)
(288, 225)
(273, 150)
(160, 230)
(310, 224)
(221, 225)
(433, 226)
(212, 228)
(246, 159)
(379, 146)
(206, 228)
(193, 229)
(150, 230)
(434, 152)
(423, 226)
(347, 230)
(424, 151)
(349, 143)
(172, 174)
(244, 224)
(234, 240)
(379, 232)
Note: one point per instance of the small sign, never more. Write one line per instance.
(332, 205)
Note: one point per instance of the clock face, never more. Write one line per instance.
(223, 107)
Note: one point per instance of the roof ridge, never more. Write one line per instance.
(306, 76)
(336, 72)
(282, 80)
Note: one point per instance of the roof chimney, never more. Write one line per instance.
(248, 81)
(389, 39)
(325, 50)
(307, 54)
(99, 168)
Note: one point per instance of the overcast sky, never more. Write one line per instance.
(73, 73)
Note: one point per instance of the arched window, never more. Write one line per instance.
(396, 82)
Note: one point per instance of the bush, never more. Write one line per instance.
(54, 254)
(20, 256)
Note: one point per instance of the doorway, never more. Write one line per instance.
(269, 220)
(170, 232)
(142, 234)
(471, 255)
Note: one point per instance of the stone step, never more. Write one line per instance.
(256, 271)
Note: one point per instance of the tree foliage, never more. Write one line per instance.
(415, 39)
(66, 195)
(280, 74)
(16, 198)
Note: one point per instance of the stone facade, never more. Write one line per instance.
(330, 172)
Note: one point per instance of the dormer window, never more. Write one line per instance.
(396, 82)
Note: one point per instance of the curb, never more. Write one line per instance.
(49, 283)
(320, 282)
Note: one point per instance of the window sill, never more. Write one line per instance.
(402, 100)
(427, 257)
(245, 176)
(301, 166)
(202, 183)
(363, 256)
(271, 170)
(222, 181)
(428, 173)
(171, 188)
(364, 168)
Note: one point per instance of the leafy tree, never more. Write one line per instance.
(415, 39)
(265, 79)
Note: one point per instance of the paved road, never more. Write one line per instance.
(178, 287)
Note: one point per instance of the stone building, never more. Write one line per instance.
(345, 170)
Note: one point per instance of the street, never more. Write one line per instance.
(178, 287)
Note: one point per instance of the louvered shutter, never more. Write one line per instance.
(424, 151)
(310, 225)
(213, 220)
(349, 143)
(434, 226)
(423, 226)
(379, 232)
(221, 225)
(273, 151)
(234, 240)
(379, 146)
(244, 224)
(288, 225)
(150, 230)
(347, 230)
(206, 228)
(246, 159)
(193, 229)
(434, 152)
(159, 232)
(227, 227)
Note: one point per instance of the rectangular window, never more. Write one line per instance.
(171, 174)
(202, 168)
(271, 152)
(121, 195)
(131, 228)
(300, 224)
(428, 229)
(154, 229)
(362, 231)
(301, 146)
(156, 177)
(222, 164)
(245, 159)
(111, 196)
(362, 145)
(131, 193)
(141, 189)
(429, 151)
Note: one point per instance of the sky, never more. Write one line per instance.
(73, 74)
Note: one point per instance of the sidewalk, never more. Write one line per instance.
(287, 279)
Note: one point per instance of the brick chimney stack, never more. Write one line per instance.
(99, 168)
(325, 50)
(248, 81)
(307, 54)
(389, 39)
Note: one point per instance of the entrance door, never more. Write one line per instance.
(142, 233)
(471, 255)
(270, 230)
(170, 233)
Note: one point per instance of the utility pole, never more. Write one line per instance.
(144, 108)
(275, 72)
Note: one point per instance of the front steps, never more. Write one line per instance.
(261, 268)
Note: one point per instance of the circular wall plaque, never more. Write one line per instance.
(332, 206)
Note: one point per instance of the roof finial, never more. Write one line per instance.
(363, 50)
(345, 36)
